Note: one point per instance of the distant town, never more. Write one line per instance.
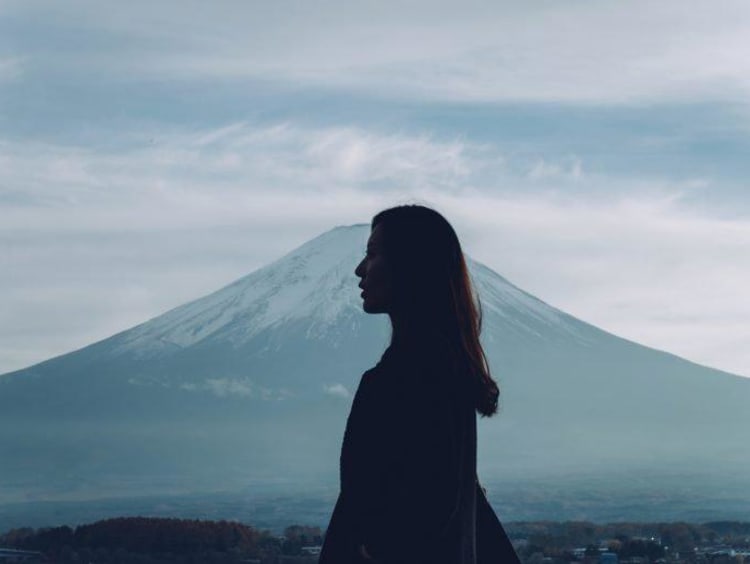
(631, 543)
(140, 540)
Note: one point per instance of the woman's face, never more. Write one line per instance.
(376, 280)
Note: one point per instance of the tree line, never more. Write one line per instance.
(149, 540)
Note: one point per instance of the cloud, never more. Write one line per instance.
(574, 52)
(95, 241)
(224, 387)
(542, 169)
(338, 390)
(217, 176)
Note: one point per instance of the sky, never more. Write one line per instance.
(596, 154)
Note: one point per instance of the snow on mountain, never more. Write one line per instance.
(315, 284)
(314, 281)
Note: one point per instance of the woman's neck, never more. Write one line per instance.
(408, 332)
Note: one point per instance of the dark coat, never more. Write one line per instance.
(409, 490)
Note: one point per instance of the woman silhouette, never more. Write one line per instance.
(409, 491)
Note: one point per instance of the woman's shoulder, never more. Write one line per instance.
(419, 364)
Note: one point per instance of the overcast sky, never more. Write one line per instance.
(596, 154)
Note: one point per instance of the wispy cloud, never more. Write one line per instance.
(338, 390)
(217, 176)
(541, 169)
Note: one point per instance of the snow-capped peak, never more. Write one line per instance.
(316, 283)
(315, 279)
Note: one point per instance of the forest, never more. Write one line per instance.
(141, 540)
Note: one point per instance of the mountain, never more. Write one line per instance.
(252, 385)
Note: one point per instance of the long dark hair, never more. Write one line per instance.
(434, 292)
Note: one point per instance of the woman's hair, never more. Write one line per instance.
(433, 292)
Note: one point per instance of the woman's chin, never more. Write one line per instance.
(369, 307)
